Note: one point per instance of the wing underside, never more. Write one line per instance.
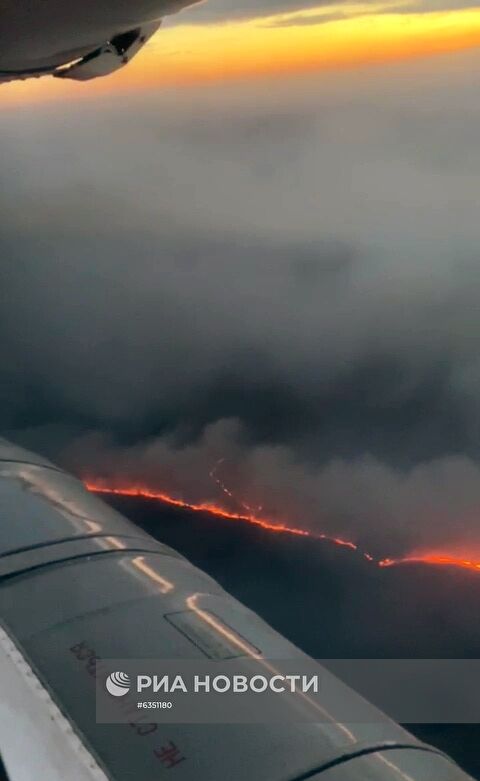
(102, 60)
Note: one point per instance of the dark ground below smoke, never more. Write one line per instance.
(332, 603)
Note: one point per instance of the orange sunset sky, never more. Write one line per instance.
(337, 36)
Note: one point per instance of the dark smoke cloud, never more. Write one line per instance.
(362, 499)
(283, 276)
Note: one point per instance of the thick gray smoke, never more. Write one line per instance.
(282, 276)
(384, 510)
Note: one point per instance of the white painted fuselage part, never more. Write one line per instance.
(38, 742)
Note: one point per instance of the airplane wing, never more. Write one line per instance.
(76, 40)
(114, 54)
(79, 583)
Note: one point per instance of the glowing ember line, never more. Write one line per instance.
(428, 559)
(228, 492)
(433, 559)
(213, 509)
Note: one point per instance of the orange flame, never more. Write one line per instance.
(434, 559)
(212, 509)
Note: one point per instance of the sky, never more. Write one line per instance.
(276, 275)
(222, 40)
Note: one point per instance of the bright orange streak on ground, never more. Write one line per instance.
(213, 509)
(434, 559)
(429, 559)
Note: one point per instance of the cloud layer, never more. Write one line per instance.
(284, 277)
